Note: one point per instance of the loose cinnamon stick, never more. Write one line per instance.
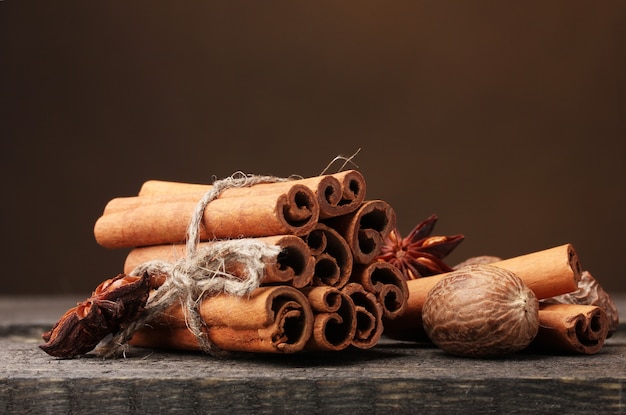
(334, 316)
(387, 283)
(294, 265)
(338, 194)
(294, 211)
(365, 229)
(275, 319)
(547, 273)
(333, 257)
(571, 328)
(590, 292)
(369, 312)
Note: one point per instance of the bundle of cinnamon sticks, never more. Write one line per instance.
(324, 291)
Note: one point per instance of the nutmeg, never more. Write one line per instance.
(481, 311)
(477, 260)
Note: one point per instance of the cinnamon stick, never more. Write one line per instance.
(333, 257)
(165, 187)
(338, 194)
(293, 211)
(334, 316)
(590, 292)
(571, 328)
(547, 273)
(387, 283)
(342, 196)
(294, 265)
(369, 312)
(275, 319)
(365, 229)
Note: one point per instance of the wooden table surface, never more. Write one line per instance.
(393, 377)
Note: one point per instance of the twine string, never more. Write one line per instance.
(202, 272)
(345, 160)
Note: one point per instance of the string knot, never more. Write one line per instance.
(204, 271)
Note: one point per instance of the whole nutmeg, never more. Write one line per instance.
(481, 311)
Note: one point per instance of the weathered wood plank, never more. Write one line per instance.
(394, 377)
(436, 396)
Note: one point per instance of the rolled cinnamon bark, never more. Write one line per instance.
(333, 257)
(387, 283)
(547, 273)
(294, 211)
(365, 229)
(338, 194)
(274, 319)
(294, 265)
(590, 292)
(164, 187)
(369, 312)
(571, 328)
(334, 316)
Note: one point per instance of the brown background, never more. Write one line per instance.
(506, 119)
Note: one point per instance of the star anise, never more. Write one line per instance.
(419, 254)
(114, 303)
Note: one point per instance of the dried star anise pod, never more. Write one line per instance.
(113, 303)
(419, 254)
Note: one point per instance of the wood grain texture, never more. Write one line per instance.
(393, 377)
